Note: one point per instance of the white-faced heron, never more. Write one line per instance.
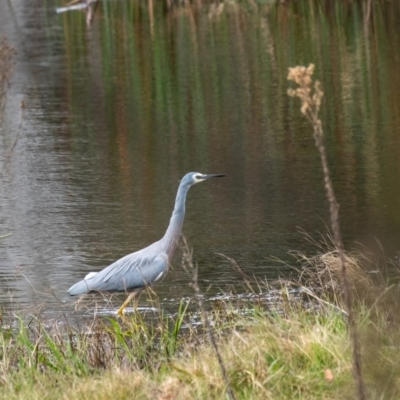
(143, 268)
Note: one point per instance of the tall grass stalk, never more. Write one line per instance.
(310, 95)
(7, 53)
(189, 266)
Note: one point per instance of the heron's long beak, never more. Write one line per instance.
(208, 176)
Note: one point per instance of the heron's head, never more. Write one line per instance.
(196, 177)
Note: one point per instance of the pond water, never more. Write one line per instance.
(116, 113)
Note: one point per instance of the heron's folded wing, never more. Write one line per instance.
(122, 266)
(132, 272)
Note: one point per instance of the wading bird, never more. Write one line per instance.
(141, 269)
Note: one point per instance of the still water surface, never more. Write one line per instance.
(117, 113)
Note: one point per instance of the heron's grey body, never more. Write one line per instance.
(143, 268)
(134, 271)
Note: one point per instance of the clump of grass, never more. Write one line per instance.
(105, 343)
(322, 271)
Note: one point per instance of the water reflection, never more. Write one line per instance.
(116, 114)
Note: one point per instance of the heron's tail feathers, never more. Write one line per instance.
(79, 288)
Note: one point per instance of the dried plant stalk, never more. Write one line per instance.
(7, 53)
(310, 95)
(188, 265)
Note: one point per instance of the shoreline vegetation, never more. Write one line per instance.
(284, 340)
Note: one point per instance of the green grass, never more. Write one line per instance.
(292, 348)
(266, 356)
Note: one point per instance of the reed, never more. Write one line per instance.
(7, 53)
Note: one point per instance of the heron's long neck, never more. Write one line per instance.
(173, 233)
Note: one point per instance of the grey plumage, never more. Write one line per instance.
(138, 270)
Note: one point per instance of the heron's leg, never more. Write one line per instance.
(126, 302)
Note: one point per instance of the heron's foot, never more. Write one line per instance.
(120, 312)
(126, 302)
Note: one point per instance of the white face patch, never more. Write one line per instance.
(198, 178)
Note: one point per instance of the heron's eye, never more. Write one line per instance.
(198, 176)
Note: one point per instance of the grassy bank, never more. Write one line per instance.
(294, 346)
(275, 356)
